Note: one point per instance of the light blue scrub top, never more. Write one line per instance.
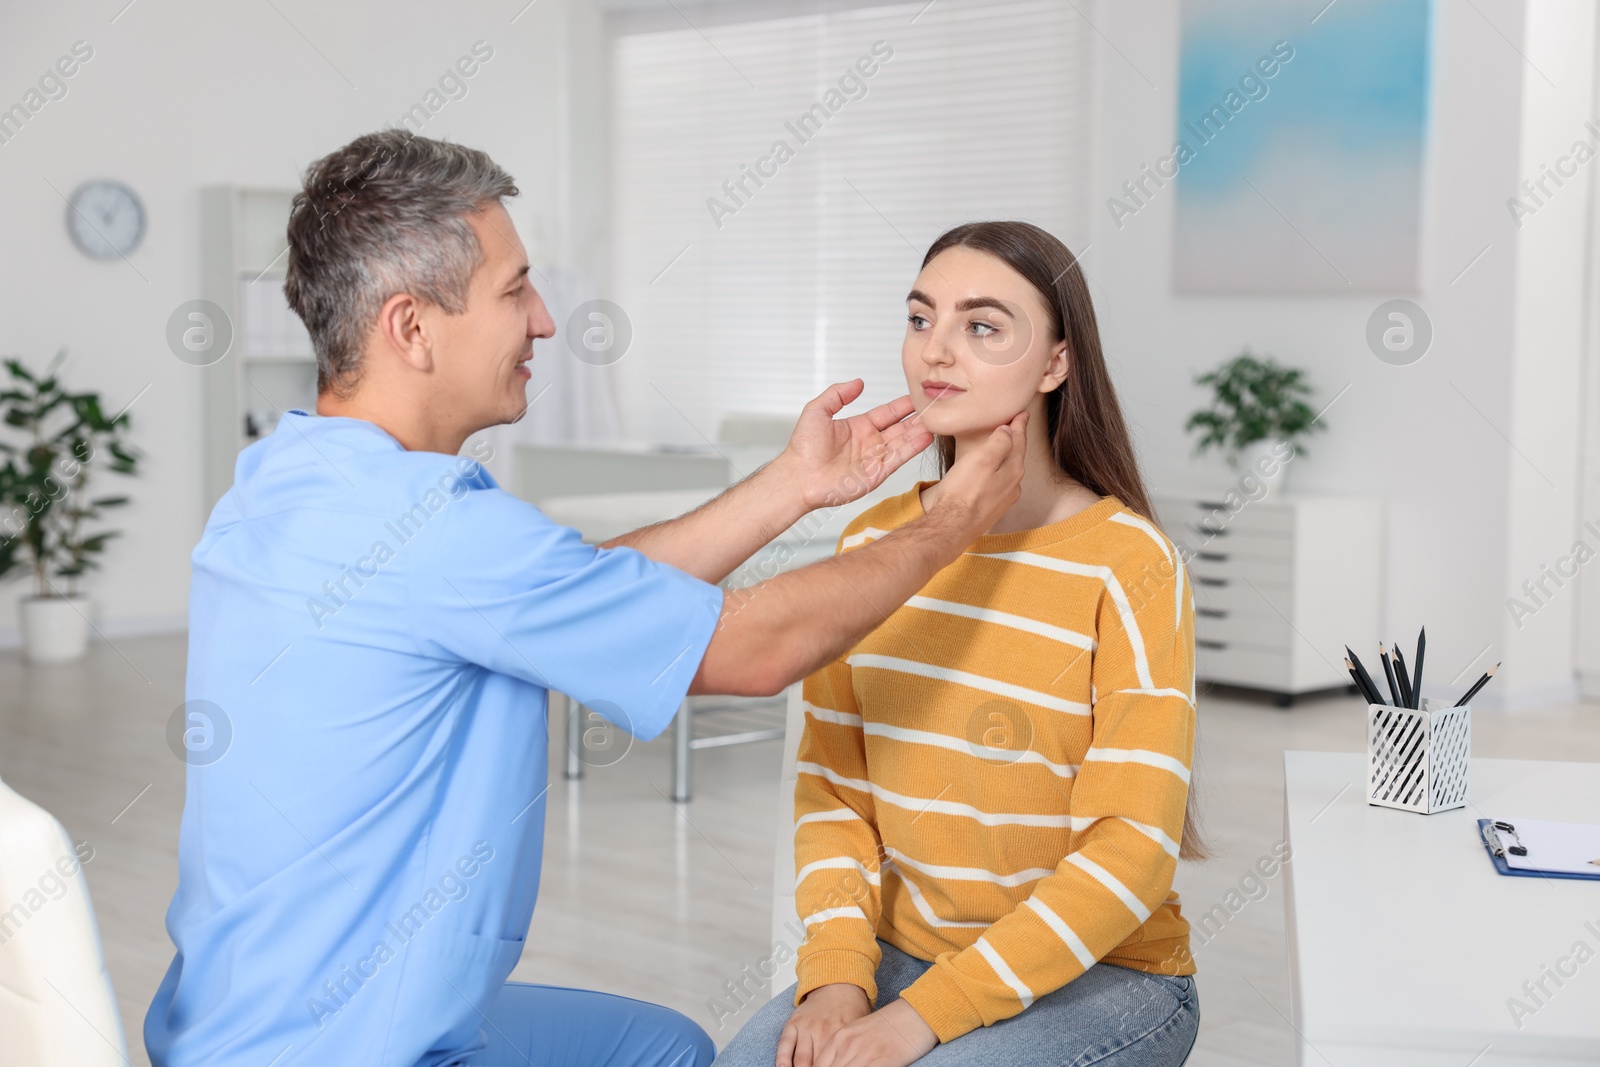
(376, 630)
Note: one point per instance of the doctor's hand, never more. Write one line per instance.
(983, 483)
(812, 1025)
(834, 461)
(892, 1036)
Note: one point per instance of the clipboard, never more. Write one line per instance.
(1497, 848)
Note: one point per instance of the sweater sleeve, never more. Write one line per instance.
(836, 843)
(1127, 808)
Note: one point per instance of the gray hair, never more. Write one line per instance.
(385, 214)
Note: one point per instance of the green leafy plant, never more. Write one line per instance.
(45, 509)
(1252, 400)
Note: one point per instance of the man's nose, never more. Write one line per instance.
(540, 324)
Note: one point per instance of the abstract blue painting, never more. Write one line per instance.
(1299, 151)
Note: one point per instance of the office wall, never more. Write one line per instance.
(1456, 442)
(1546, 401)
(185, 94)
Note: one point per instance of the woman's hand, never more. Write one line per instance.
(834, 461)
(825, 1010)
(892, 1036)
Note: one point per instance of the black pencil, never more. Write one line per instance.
(1388, 670)
(1416, 669)
(1400, 672)
(1361, 687)
(1371, 689)
(1479, 684)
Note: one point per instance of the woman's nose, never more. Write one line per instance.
(938, 352)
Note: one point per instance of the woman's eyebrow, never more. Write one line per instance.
(969, 304)
(973, 302)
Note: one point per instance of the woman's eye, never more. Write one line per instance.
(917, 322)
(983, 329)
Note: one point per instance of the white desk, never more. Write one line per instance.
(599, 517)
(1405, 945)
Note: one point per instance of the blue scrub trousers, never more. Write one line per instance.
(547, 1026)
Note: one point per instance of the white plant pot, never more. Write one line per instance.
(1265, 460)
(55, 629)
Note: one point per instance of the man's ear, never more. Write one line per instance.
(405, 331)
(1055, 371)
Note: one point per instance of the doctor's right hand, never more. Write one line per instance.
(981, 485)
(826, 1010)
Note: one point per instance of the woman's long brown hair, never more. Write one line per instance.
(1083, 418)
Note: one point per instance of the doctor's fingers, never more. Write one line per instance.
(833, 399)
(886, 416)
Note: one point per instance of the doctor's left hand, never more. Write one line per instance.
(892, 1036)
(834, 461)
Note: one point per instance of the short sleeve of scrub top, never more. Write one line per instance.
(509, 589)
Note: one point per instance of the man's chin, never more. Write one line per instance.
(517, 409)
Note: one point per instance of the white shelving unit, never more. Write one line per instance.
(270, 366)
(1281, 585)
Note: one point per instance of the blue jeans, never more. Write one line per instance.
(548, 1026)
(1109, 1016)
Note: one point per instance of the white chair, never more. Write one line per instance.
(57, 1007)
(785, 919)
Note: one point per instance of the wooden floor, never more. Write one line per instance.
(650, 900)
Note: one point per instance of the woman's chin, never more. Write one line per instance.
(944, 425)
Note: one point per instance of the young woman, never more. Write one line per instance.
(993, 786)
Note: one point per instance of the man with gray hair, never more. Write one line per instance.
(379, 624)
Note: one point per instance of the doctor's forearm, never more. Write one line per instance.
(781, 630)
(715, 538)
(778, 632)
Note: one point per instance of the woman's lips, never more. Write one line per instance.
(940, 390)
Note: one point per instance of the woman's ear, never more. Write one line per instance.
(1055, 371)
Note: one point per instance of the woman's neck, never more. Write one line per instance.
(1048, 494)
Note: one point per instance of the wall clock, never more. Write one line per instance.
(105, 219)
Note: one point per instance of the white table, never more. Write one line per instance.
(1405, 945)
(599, 517)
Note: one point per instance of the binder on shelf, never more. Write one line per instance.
(1534, 848)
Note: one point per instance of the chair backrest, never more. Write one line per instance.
(785, 919)
(56, 1002)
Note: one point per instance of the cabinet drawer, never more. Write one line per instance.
(1234, 569)
(1212, 517)
(1235, 595)
(1243, 546)
(1236, 664)
(1263, 628)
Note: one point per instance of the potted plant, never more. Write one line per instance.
(1257, 416)
(45, 510)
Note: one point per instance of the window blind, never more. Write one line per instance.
(753, 296)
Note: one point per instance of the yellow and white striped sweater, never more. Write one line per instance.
(994, 779)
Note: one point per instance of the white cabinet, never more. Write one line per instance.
(269, 366)
(1281, 585)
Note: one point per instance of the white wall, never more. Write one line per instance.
(1433, 439)
(1548, 303)
(183, 94)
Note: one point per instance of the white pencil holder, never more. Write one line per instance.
(1417, 760)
